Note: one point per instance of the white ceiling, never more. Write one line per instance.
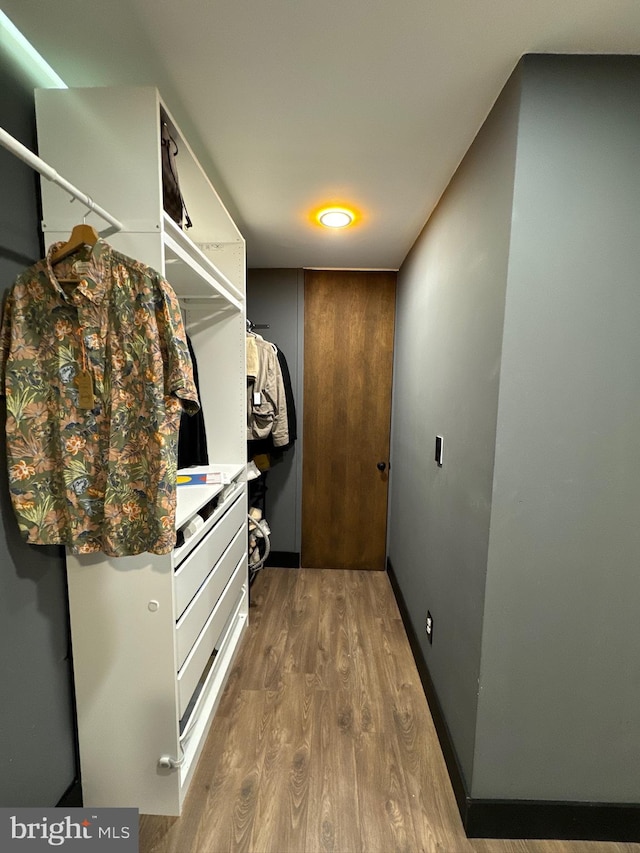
(292, 103)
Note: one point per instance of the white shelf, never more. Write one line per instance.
(191, 499)
(191, 273)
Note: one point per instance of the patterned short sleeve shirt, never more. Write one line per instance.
(96, 371)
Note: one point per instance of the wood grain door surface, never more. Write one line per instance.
(348, 363)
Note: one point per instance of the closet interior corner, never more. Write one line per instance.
(159, 632)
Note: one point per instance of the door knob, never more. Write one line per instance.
(381, 466)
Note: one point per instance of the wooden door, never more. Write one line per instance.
(348, 363)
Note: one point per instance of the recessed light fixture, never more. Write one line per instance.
(335, 217)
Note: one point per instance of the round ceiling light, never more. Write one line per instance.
(335, 217)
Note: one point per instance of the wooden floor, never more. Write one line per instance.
(323, 741)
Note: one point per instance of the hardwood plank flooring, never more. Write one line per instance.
(323, 741)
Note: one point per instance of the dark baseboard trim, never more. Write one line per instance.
(283, 560)
(442, 730)
(72, 797)
(517, 818)
(563, 821)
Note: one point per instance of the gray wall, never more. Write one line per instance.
(37, 752)
(276, 297)
(519, 342)
(451, 293)
(559, 711)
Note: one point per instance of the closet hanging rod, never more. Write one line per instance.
(184, 297)
(251, 326)
(23, 153)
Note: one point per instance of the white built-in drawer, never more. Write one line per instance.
(191, 622)
(199, 563)
(199, 655)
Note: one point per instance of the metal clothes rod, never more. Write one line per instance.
(22, 152)
(187, 298)
(251, 326)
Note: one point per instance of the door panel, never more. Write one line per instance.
(348, 362)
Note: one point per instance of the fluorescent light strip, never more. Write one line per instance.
(27, 56)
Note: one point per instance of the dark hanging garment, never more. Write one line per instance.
(192, 439)
(292, 420)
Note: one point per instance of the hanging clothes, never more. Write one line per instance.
(262, 451)
(266, 399)
(292, 420)
(192, 438)
(96, 371)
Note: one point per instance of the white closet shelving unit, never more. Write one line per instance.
(154, 636)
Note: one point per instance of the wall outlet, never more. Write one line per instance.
(428, 625)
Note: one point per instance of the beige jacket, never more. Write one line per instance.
(266, 404)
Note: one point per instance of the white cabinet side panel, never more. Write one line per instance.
(125, 673)
(107, 143)
(220, 354)
(230, 259)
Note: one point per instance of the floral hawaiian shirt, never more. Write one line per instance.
(96, 371)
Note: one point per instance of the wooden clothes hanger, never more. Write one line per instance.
(81, 235)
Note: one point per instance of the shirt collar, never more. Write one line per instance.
(90, 266)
